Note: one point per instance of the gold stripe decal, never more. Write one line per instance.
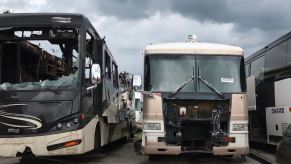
(33, 122)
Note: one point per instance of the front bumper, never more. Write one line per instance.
(10, 147)
(176, 150)
(151, 146)
(161, 148)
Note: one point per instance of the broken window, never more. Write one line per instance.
(32, 58)
(89, 57)
(115, 74)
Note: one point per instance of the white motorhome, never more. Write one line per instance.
(194, 99)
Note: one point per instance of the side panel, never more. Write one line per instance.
(239, 107)
(251, 93)
(110, 93)
(278, 118)
(239, 115)
(283, 92)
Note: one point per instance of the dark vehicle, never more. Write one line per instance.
(268, 73)
(284, 147)
(59, 89)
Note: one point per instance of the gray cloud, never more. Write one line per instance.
(130, 25)
(267, 15)
(247, 14)
(124, 9)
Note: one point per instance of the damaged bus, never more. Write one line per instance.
(194, 99)
(59, 87)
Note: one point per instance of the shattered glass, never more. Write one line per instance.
(39, 58)
(72, 80)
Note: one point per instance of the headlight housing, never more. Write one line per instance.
(151, 126)
(70, 123)
(240, 127)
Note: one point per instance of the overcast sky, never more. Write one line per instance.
(130, 25)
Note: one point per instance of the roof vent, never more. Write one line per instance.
(192, 38)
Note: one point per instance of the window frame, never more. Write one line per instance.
(107, 61)
(256, 73)
(89, 53)
(115, 74)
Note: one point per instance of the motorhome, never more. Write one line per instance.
(194, 99)
(59, 86)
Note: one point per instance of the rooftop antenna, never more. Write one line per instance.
(192, 38)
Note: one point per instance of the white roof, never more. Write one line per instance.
(193, 48)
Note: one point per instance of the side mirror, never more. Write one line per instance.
(95, 74)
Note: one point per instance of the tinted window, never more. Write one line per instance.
(289, 51)
(89, 44)
(276, 56)
(166, 73)
(247, 68)
(170, 71)
(225, 79)
(107, 66)
(115, 74)
(257, 66)
(88, 64)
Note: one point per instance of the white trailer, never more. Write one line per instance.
(279, 117)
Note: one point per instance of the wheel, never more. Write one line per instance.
(239, 158)
(152, 157)
(97, 140)
(130, 129)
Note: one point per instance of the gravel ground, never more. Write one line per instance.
(119, 153)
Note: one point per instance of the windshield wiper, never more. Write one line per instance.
(8, 93)
(181, 87)
(212, 88)
(48, 89)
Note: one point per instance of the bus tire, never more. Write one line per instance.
(152, 157)
(97, 140)
(239, 158)
(131, 132)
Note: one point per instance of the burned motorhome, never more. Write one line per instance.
(28, 62)
(194, 99)
(203, 123)
(59, 86)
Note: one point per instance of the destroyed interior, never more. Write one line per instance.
(196, 92)
(39, 73)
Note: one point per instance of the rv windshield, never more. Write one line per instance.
(164, 73)
(39, 58)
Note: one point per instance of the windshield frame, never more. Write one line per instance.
(79, 38)
(147, 72)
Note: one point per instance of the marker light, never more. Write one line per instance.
(68, 125)
(71, 143)
(59, 125)
(76, 120)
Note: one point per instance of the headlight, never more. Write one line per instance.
(240, 127)
(151, 126)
